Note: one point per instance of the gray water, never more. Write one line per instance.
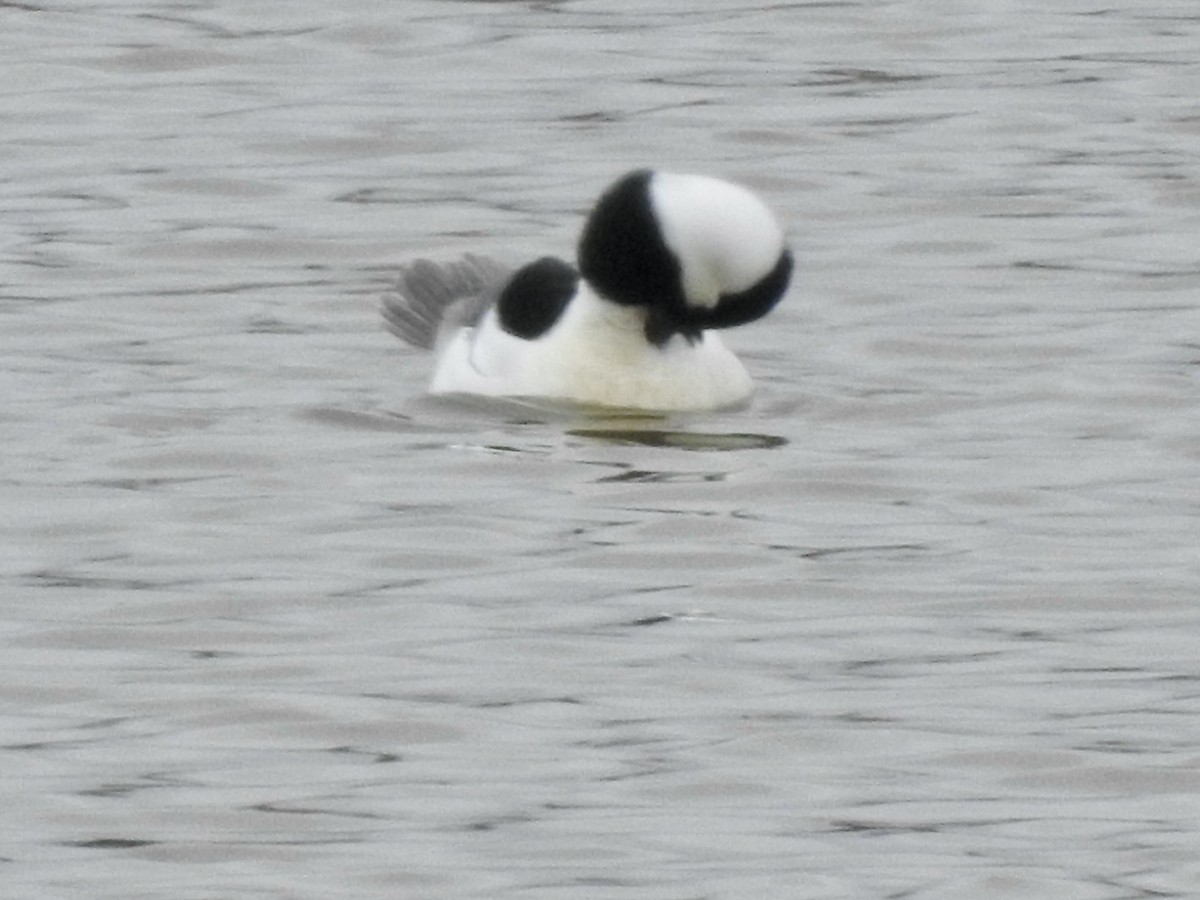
(923, 621)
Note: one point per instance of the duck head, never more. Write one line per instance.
(695, 252)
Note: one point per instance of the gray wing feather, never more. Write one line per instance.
(430, 298)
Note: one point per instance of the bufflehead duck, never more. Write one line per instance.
(665, 260)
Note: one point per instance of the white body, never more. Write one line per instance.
(597, 353)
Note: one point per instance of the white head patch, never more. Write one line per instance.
(724, 237)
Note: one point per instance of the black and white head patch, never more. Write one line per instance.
(694, 252)
(753, 303)
(536, 296)
(621, 251)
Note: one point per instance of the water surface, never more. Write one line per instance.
(920, 622)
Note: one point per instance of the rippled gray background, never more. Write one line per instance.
(922, 622)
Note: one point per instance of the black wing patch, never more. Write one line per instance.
(535, 297)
